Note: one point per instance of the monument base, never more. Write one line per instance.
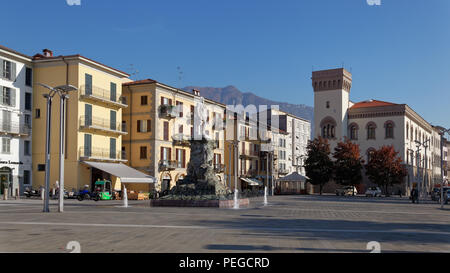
(198, 203)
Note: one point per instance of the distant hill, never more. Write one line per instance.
(232, 95)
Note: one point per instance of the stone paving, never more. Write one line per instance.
(288, 224)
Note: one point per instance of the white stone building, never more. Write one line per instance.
(294, 135)
(15, 119)
(374, 123)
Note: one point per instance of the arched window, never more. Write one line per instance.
(371, 128)
(328, 104)
(328, 126)
(389, 129)
(353, 131)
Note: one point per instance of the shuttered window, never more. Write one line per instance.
(8, 70)
(87, 145)
(7, 96)
(112, 148)
(113, 91)
(166, 131)
(113, 120)
(88, 84)
(87, 115)
(144, 126)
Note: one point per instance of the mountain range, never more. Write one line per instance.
(230, 95)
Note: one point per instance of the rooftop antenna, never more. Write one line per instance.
(134, 71)
(180, 75)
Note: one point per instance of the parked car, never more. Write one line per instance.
(347, 190)
(373, 192)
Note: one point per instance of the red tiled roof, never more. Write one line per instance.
(15, 52)
(372, 103)
(140, 82)
(39, 56)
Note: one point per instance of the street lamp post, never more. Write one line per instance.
(62, 92)
(47, 153)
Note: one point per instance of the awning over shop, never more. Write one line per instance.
(252, 182)
(125, 173)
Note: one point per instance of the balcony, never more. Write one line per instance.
(167, 165)
(219, 168)
(15, 128)
(181, 140)
(249, 173)
(101, 154)
(249, 154)
(101, 95)
(97, 124)
(167, 111)
(283, 171)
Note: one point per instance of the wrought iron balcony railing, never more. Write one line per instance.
(249, 173)
(103, 95)
(101, 154)
(167, 165)
(15, 128)
(96, 123)
(181, 140)
(168, 111)
(249, 153)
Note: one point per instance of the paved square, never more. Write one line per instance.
(289, 224)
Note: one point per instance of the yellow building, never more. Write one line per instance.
(94, 128)
(160, 122)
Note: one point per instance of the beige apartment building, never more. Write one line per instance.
(94, 127)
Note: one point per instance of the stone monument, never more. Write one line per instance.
(201, 181)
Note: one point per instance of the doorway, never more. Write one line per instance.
(5, 180)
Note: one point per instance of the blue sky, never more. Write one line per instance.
(398, 51)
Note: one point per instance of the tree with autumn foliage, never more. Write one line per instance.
(348, 164)
(385, 168)
(318, 165)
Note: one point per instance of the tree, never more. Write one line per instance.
(385, 168)
(318, 165)
(348, 164)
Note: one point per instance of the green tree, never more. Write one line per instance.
(385, 168)
(318, 165)
(348, 164)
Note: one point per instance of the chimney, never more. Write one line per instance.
(47, 52)
(196, 92)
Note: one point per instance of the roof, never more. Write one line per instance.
(14, 52)
(125, 173)
(293, 177)
(150, 81)
(39, 57)
(371, 103)
(145, 81)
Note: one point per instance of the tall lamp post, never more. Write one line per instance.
(62, 92)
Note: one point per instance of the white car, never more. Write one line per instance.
(373, 191)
